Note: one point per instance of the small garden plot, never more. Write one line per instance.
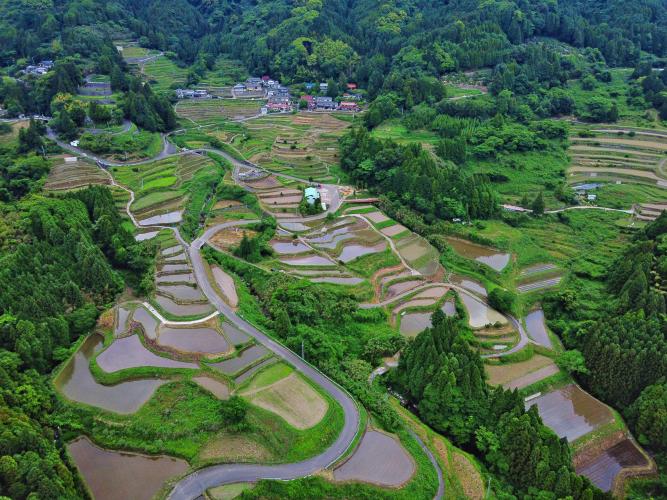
(200, 340)
(72, 175)
(521, 374)
(605, 467)
(230, 237)
(394, 230)
(216, 387)
(142, 476)
(129, 352)
(479, 314)
(173, 308)
(245, 359)
(76, 382)
(571, 412)
(379, 459)
(291, 398)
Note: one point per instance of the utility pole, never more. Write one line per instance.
(303, 356)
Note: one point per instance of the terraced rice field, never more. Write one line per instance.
(129, 352)
(496, 260)
(379, 459)
(479, 314)
(616, 155)
(162, 73)
(214, 111)
(161, 187)
(292, 398)
(245, 359)
(521, 374)
(142, 476)
(303, 145)
(603, 469)
(77, 383)
(64, 176)
(570, 412)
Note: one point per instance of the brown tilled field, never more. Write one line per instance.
(64, 176)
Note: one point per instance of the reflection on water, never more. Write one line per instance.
(77, 383)
(111, 475)
(351, 252)
(468, 284)
(571, 412)
(537, 330)
(603, 470)
(494, 259)
(479, 314)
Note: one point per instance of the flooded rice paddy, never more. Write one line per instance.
(449, 308)
(146, 236)
(195, 339)
(379, 459)
(77, 383)
(312, 260)
(216, 387)
(172, 250)
(479, 314)
(177, 309)
(182, 292)
(289, 247)
(352, 252)
(604, 468)
(121, 324)
(245, 358)
(338, 281)
(570, 412)
(537, 329)
(401, 287)
(110, 474)
(468, 284)
(414, 323)
(129, 352)
(176, 278)
(174, 268)
(235, 335)
(168, 218)
(394, 230)
(493, 258)
(148, 322)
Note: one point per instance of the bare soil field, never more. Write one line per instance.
(235, 448)
(517, 375)
(230, 237)
(64, 176)
(294, 400)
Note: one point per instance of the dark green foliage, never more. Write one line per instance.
(444, 377)
(410, 175)
(648, 416)
(502, 300)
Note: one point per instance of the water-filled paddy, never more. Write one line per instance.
(449, 308)
(195, 339)
(176, 258)
(379, 459)
(311, 260)
(414, 323)
(129, 352)
(174, 268)
(172, 250)
(148, 322)
(122, 315)
(110, 475)
(168, 218)
(235, 335)
(245, 358)
(468, 284)
(493, 258)
(182, 309)
(338, 281)
(603, 469)
(571, 412)
(176, 278)
(216, 387)
(182, 292)
(401, 287)
(146, 236)
(289, 247)
(537, 330)
(351, 252)
(479, 314)
(77, 383)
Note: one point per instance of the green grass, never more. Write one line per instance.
(367, 265)
(267, 376)
(396, 131)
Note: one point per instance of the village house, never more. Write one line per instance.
(348, 106)
(324, 87)
(239, 88)
(310, 100)
(40, 69)
(324, 102)
(312, 195)
(184, 93)
(201, 93)
(253, 84)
